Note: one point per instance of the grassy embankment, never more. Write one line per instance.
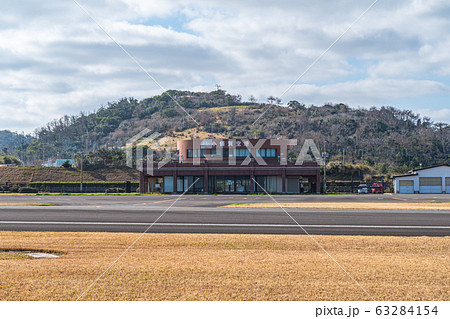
(59, 174)
(67, 180)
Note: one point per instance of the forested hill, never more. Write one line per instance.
(10, 140)
(383, 137)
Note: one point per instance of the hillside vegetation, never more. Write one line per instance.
(27, 175)
(386, 138)
(8, 140)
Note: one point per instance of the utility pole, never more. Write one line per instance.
(81, 178)
(87, 140)
(343, 156)
(81, 166)
(21, 148)
(324, 167)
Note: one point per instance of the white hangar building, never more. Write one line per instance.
(429, 180)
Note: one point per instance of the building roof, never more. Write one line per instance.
(59, 162)
(405, 175)
(429, 167)
(414, 171)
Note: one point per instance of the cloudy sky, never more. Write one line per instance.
(55, 60)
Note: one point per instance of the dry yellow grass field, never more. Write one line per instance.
(13, 255)
(224, 267)
(351, 205)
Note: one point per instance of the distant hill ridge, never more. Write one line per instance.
(385, 137)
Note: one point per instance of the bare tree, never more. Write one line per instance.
(271, 99)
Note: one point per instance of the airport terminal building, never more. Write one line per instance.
(234, 166)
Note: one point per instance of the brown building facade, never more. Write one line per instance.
(231, 166)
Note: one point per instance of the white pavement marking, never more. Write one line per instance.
(128, 208)
(221, 225)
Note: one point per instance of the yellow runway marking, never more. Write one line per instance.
(25, 204)
(350, 205)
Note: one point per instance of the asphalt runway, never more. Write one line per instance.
(203, 214)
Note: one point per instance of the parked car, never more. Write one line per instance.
(362, 189)
(377, 188)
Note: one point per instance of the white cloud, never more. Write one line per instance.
(440, 115)
(54, 60)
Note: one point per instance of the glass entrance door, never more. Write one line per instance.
(229, 184)
(219, 185)
(242, 184)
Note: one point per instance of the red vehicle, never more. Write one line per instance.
(377, 188)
